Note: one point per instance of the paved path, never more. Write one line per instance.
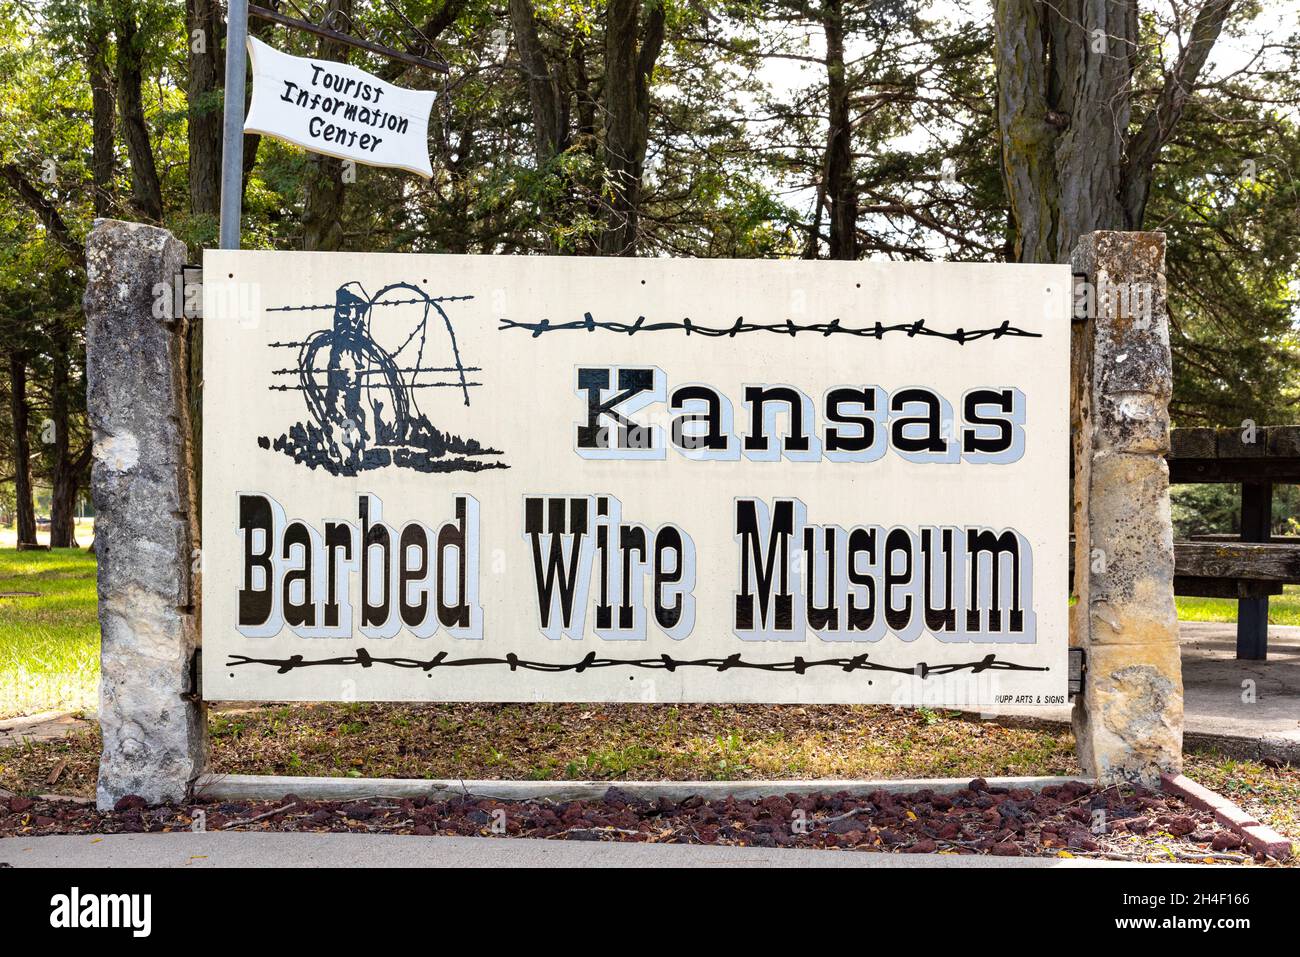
(386, 850)
(1216, 689)
(39, 727)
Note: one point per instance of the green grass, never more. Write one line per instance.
(1283, 609)
(1272, 795)
(49, 644)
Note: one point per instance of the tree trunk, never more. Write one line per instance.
(841, 190)
(322, 226)
(627, 116)
(24, 508)
(585, 98)
(1090, 96)
(322, 214)
(550, 116)
(146, 189)
(64, 480)
(1028, 136)
(205, 118)
(70, 479)
(102, 107)
(1065, 76)
(63, 505)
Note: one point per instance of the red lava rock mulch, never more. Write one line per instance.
(1058, 821)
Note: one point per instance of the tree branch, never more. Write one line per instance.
(45, 211)
(1158, 125)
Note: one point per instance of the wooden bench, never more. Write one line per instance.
(1232, 569)
(1253, 568)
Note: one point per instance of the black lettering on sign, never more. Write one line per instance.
(984, 547)
(765, 572)
(970, 438)
(604, 610)
(930, 421)
(862, 542)
(299, 577)
(938, 617)
(256, 524)
(557, 527)
(454, 538)
(632, 383)
(862, 435)
(413, 543)
(631, 538)
(860, 423)
(898, 577)
(568, 535)
(669, 539)
(821, 575)
(854, 584)
(374, 536)
(298, 613)
(762, 418)
(712, 438)
(338, 538)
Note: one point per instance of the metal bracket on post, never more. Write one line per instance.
(1077, 668)
(1078, 306)
(232, 131)
(337, 26)
(196, 677)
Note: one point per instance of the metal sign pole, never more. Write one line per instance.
(232, 138)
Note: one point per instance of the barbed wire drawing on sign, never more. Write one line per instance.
(361, 378)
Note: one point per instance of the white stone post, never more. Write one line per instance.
(154, 729)
(1128, 720)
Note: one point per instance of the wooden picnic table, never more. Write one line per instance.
(1254, 567)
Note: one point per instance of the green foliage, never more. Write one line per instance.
(1229, 192)
(1205, 510)
(1216, 510)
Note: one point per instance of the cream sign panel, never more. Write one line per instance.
(490, 478)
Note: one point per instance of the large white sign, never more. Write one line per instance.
(338, 110)
(532, 478)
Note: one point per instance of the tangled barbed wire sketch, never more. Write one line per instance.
(359, 382)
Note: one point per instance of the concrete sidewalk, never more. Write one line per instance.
(387, 850)
(46, 726)
(1216, 692)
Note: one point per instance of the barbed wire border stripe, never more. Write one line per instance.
(877, 330)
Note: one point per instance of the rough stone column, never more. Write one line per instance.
(154, 728)
(1129, 719)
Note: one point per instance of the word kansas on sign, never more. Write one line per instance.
(338, 110)
(491, 478)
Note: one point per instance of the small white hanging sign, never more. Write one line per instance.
(338, 110)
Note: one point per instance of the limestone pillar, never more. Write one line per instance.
(1128, 720)
(155, 735)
